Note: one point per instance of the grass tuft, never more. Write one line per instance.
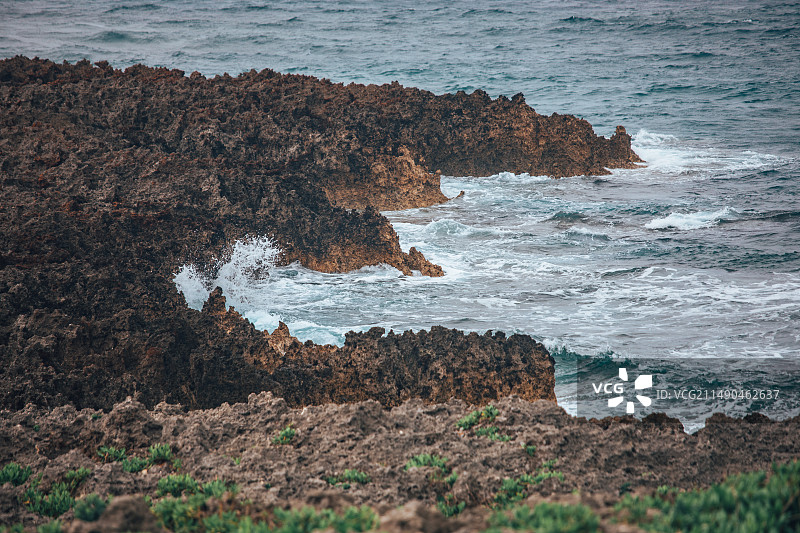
(15, 474)
(177, 484)
(347, 477)
(545, 518)
(110, 454)
(487, 414)
(746, 503)
(159, 453)
(285, 436)
(90, 508)
(53, 504)
(134, 464)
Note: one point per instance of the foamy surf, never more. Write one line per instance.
(669, 157)
(690, 221)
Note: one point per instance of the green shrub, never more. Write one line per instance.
(493, 433)
(530, 449)
(356, 519)
(248, 526)
(226, 522)
(15, 474)
(110, 454)
(349, 476)
(134, 464)
(218, 488)
(308, 519)
(448, 505)
(90, 508)
(541, 476)
(546, 518)
(487, 414)
(52, 527)
(16, 528)
(178, 515)
(53, 504)
(159, 453)
(745, 503)
(451, 479)
(285, 436)
(74, 478)
(513, 490)
(177, 484)
(426, 459)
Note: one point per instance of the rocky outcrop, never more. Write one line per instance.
(112, 180)
(202, 359)
(233, 443)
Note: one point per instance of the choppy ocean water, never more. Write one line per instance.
(696, 255)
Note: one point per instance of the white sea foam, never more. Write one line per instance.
(518, 178)
(192, 284)
(249, 263)
(690, 221)
(666, 155)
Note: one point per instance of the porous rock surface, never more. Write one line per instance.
(112, 180)
(233, 443)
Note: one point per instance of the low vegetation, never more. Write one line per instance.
(177, 484)
(442, 478)
(347, 477)
(487, 414)
(285, 436)
(156, 454)
(52, 503)
(90, 508)
(110, 454)
(160, 453)
(15, 474)
(745, 503)
(545, 518)
(513, 490)
(493, 433)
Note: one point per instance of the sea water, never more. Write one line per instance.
(695, 255)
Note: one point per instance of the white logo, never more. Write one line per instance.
(645, 381)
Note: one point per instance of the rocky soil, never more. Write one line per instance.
(234, 443)
(112, 180)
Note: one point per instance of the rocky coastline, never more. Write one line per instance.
(112, 180)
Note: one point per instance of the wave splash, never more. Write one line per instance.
(248, 266)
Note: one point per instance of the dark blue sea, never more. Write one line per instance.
(694, 256)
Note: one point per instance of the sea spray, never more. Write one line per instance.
(246, 267)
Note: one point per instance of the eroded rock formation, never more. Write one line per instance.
(112, 180)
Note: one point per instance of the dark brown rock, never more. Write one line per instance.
(112, 180)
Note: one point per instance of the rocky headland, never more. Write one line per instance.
(112, 180)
